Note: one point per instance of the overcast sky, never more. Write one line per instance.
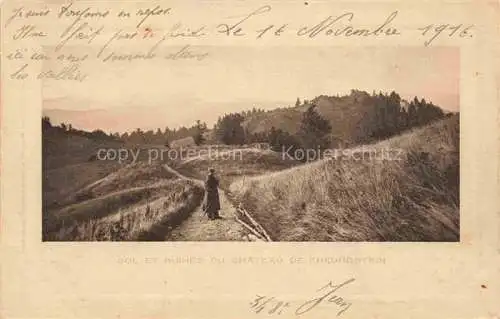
(237, 77)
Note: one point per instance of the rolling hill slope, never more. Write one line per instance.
(413, 196)
(344, 113)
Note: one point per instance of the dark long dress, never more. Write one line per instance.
(211, 203)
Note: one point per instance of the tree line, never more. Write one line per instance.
(391, 115)
(138, 136)
(386, 115)
(63, 128)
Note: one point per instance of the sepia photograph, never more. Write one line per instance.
(270, 144)
(249, 159)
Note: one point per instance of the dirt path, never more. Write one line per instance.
(198, 227)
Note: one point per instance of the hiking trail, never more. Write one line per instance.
(197, 227)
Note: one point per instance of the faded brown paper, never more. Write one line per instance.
(217, 280)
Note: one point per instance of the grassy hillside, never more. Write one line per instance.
(72, 172)
(60, 184)
(127, 177)
(133, 203)
(232, 163)
(69, 163)
(415, 198)
(89, 199)
(344, 114)
(285, 119)
(62, 149)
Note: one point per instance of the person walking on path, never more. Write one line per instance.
(211, 202)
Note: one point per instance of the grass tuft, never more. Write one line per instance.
(414, 198)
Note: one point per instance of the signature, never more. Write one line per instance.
(327, 294)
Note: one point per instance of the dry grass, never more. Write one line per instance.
(134, 214)
(70, 163)
(76, 183)
(124, 205)
(231, 164)
(414, 199)
(60, 150)
(61, 183)
(134, 175)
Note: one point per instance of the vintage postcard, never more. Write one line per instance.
(250, 159)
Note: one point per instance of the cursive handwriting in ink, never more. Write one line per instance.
(186, 53)
(67, 11)
(329, 295)
(236, 28)
(331, 26)
(117, 36)
(277, 30)
(128, 56)
(261, 303)
(81, 31)
(70, 72)
(28, 31)
(181, 31)
(435, 31)
(146, 13)
(20, 74)
(23, 13)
